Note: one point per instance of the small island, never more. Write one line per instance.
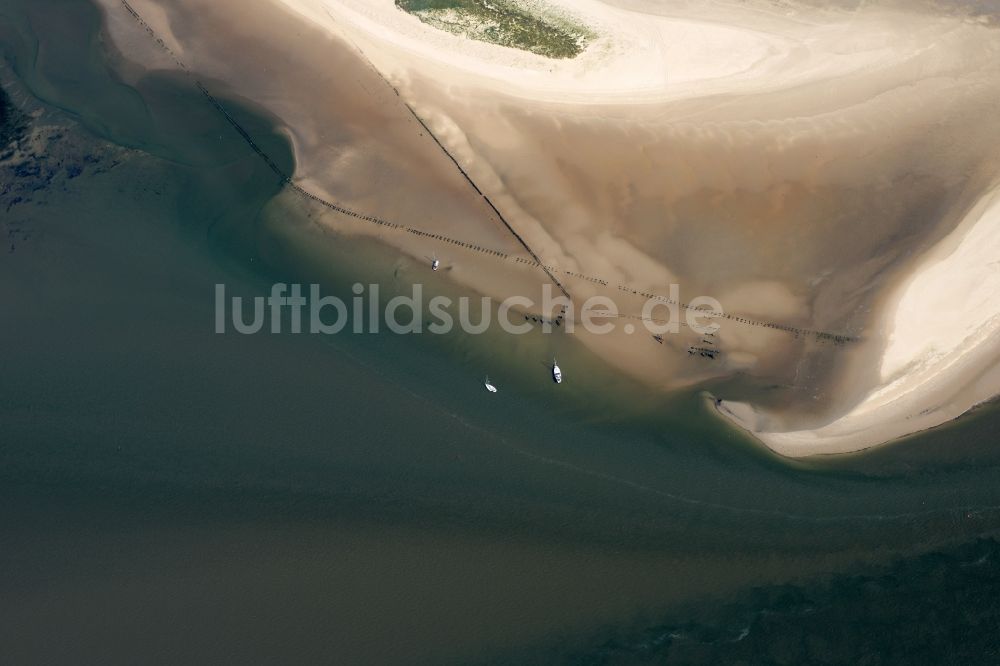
(535, 29)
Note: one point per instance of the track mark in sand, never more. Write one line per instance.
(503, 220)
(535, 261)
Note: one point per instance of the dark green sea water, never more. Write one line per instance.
(169, 495)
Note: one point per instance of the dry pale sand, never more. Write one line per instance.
(831, 169)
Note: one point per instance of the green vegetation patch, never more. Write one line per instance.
(504, 22)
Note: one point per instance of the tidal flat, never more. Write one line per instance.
(171, 495)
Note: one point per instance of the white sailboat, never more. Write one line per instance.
(489, 386)
(556, 372)
(435, 263)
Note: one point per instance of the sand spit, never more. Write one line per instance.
(820, 168)
(940, 358)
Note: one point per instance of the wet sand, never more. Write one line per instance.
(799, 180)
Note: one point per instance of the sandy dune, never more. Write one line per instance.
(827, 169)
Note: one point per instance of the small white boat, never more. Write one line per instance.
(435, 264)
(489, 386)
(556, 372)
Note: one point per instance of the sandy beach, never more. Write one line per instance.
(938, 355)
(824, 169)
